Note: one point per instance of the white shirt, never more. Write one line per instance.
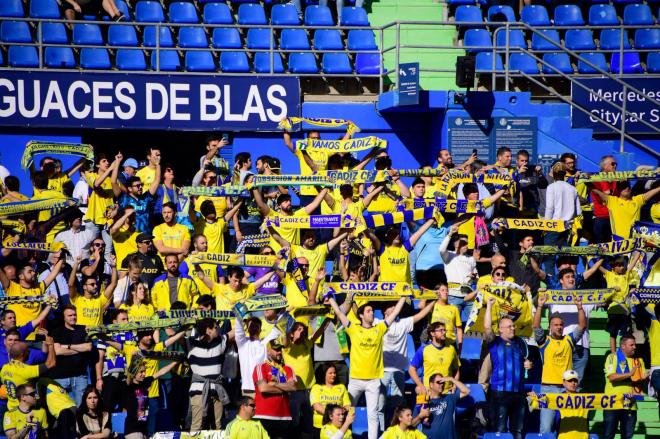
(570, 315)
(81, 193)
(59, 285)
(251, 352)
(561, 201)
(458, 268)
(395, 345)
(77, 243)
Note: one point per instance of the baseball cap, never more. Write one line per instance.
(144, 237)
(274, 344)
(571, 375)
(131, 162)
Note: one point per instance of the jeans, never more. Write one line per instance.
(626, 419)
(301, 413)
(74, 386)
(580, 360)
(394, 384)
(372, 390)
(155, 406)
(547, 415)
(556, 239)
(508, 406)
(602, 230)
(464, 307)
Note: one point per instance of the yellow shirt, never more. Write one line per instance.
(557, 358)
(450, 316)
(654, 342)
(488, 279)
(13, 374)
(329, 430)
(316, 256)
(57, 399)
(624, 213)
(214, 233)
(220, 204)
(226, 298)
(573, 424)
(160, 292)
(124, 243)
(383, 202)
(99, 199)
(655, 213)
(299, 358)
(433, 359)
(25, 312)
(395, 264)
(45, 215)
(294, 296)
(210, 270)
(171, 236)
(139, 313)
(320, 159)
(325, 395)
(146, 175)
(366, 353)
(56, 182)
(395, 432)
(16, 419)
(241, 428)
(622, 281)
(90, 311)
(622, 387)
(150, 364)
(288, 234)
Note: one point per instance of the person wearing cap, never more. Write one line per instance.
(556, 353)
(152, 265)
(130, 167)
(273, 381)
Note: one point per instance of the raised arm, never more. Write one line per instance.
(496, 196)
(110, 288)
(73, 291)
(164, 370)
(259, 200)
(539, 334)
(54, 271)
(76, 167)
(116, 227)
(116, 187)
(488, 321)
(395, 313)
(233, 211)
(173, 339)
(424, 311)
(153, 187)
(311, 207)
(590, 272)
(102, 176)
(418, 234)
(203, 277)
(600, 194)
(372, 195)
(650, 194)
(339, 313)
(405, 192)
(335, 241)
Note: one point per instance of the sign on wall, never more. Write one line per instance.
(409, 83)
(162, 102)
(602, 90)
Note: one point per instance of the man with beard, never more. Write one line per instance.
(438, 413)
(151, 264)
(173, 286)
(170, 237)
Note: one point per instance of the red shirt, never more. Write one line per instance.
(272, 406)
(600, 210)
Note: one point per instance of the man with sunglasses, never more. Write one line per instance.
(25, 421)
(244, 426)
(91, 303)
(602, 230)
(438, 412)
(152, 265)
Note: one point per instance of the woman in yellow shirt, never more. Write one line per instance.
(337, 419)
(138, 303)
(327, 394)
(403, 425)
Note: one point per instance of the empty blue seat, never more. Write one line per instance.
(610, 39)
(317, 15)
(361, 40)
(560, 61)
(498, 436)
(468, 14)
(251, 13)
(630, 64)
(118, 420)
(484, 62)
(23, 56)
(226, 38)
(294, 39)
(192, 37)
(540, 436)
(598, 59)
(638, 15)
(477, 40)
(165, 60)
(568, 15)
(59, 57)
(11, 8)
(540, 43)
(580, 39)
(653, 62)
(150, 34)
(647, 38)
(217, 13)
(262, 62)
(120, 35)
(360, 426)
(15, 32)
(234, 62)
(336, 63)
(44, 9)
(183, 12)
(535, 15)
(523, 62)
(328, 39)
(460, 2)
(53, 33)
(149, 12)
(87, 34)
(130, 59)
(516, 39)
(476, 395)
(501, 13)
(284, 15)
(302, 63)
(94, 58)
(200, 61)
(258, 38)
(353, 16)
(603, 15)
(367, 63)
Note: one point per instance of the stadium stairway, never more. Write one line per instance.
(387, 11)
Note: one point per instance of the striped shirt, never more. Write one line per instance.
(206, 360)
(508, 358)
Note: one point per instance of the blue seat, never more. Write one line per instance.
(217, 13)
(484, 62)
(328, 39)
(498, 436)
(226, 38)
(638, 15)
(471, 349)
(130, 59)
(501, 13)
(23, 56)
(468, 14)
(593, 436)
(59, 57)
(302, 63)
(353, 16)
(336, 63)
(94, 58)
(477, 40)
(119, 35)
(361, 424)
(262, 62)
(284, 15)
(367, 63)
(44, 9)
(123, 7)
(54, 33)
(165, 37)
(118, 420)
(568, 15)
(251, 13)
(258, 38)
(361, 40)
(630, 64)
(2, 59)
(166, 60)
(15, 32)
(11, 8)
(523, 62)
(294, 39)
(200, 61)
(560, 61)
(535, 15)
(540, 43)
(410, 344)
(317, 15)
(183, 12)
(610, 39)
(235, 62)
(149, 12)
(653, 62)
(460, 2)
(540, 436)
(476, 395)
(580, 39)
(87, 34)
(516, 39)
(603, 15)
(192, 37)
(597, 59)
(647, 38)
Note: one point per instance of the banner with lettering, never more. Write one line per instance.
(510, 301)
(588, 297)
(586, 401)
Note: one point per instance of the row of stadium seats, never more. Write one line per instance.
(486, 2)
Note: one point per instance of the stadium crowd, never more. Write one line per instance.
(128, 252)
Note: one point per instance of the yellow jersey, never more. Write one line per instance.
(139, 312)
(655, 213)
(226, 298)
(329, 430)
(58, 181)
(395, 264)
(294, 296)
(124, 243)
(90, 311)
(150, 364)
(25, 312)
(316, 256)
(624, 386)
(624, 213)
(436, 359)
(45, 215)
(171, 236)
(241, 428)
(220, 204)
(290, 235)
(16, 419)
(320, 159)
(467, 228)
(395, 432)
(99, 200)
(450, 316)
(573, 423)
(325, 395)
(13, 374)
(185, 288)
(366, 354)
(618, 303)
(214, 233)
(146, 175)
(654, 342)
(557, 358)
(57, 399)
(383, 202)
(298, 356)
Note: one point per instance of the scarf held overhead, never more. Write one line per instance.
(588, 297)
(312, 221)
(234, 259)
(215, 191)
(288, 123)
(510, 301)
(532, 224)
(645, 295)
(35, 147)
(35, 246)
(646, 174)
(347, 145)
(30, 206)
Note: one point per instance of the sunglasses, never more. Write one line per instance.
(144, 242)
(438, 382)
(92, 284)
(253, 405)
(96, 244)
(268, 253)
(138, 185)
(32, 394)
(499, 273)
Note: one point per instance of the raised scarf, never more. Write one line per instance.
(35, 147)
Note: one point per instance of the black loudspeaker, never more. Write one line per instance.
(465, 71)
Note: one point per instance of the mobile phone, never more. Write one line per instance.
(475, 152)
(226, 138)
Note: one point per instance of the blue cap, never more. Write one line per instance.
(131, 162)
